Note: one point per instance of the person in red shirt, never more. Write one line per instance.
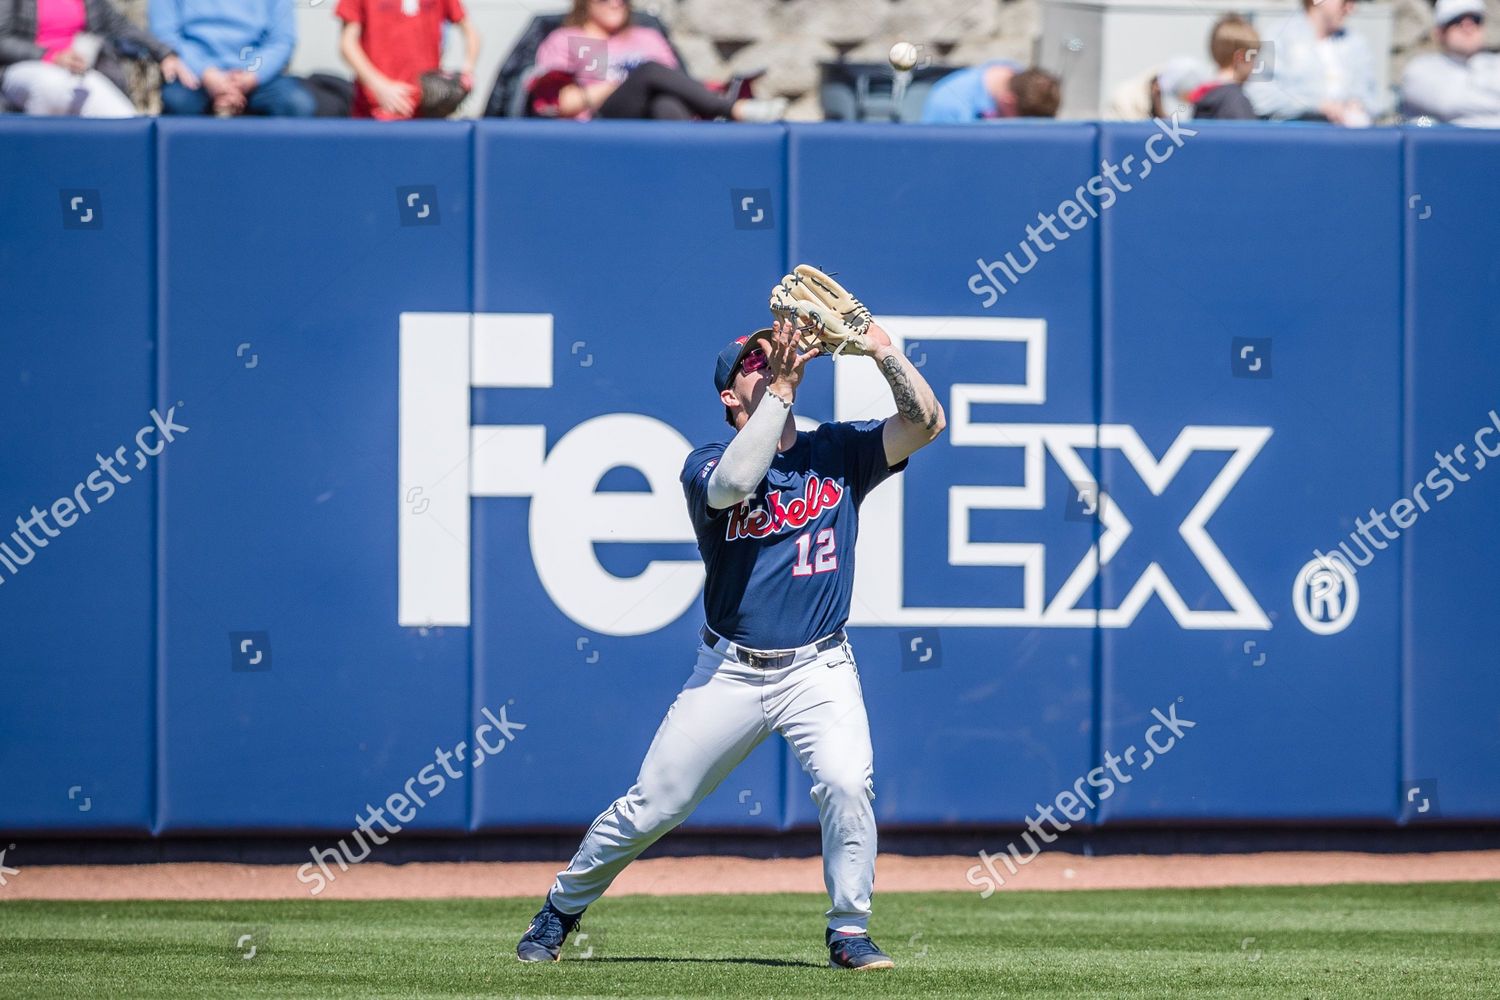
(391, 43)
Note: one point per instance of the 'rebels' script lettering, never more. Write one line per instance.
(819, 495)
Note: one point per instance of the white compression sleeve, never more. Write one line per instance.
(749, 455)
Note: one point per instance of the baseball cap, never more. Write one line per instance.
(731, 356)
(1448, 11)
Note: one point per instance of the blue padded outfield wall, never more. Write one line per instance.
(428, 390)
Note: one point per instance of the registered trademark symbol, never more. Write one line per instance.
(1325, 595)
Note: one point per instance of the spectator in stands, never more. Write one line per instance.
(238, 50)
(997, 89)
(1318, 70)
(61, 57)
(1235, 46)
(1159, 92)
(1460, 84)
(598, 64)
(390, 47)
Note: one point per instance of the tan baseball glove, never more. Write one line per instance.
(823, 310)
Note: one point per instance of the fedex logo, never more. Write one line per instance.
(445, 463)
(818, 496)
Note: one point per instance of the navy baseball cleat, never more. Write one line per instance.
(855, 951)
(544, 939)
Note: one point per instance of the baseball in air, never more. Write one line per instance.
(903, 55)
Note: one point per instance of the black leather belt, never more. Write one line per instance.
(772, 659)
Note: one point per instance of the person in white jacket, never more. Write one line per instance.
(1314, 69)
(1460, 84)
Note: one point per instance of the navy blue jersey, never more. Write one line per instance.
(781, 563)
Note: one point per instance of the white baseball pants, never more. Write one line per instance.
(722, 713)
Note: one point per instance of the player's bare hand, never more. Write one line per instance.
(785, 358)
(877, 341)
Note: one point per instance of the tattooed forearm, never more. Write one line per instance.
(916, 405)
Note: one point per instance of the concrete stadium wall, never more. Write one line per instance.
(437, 383)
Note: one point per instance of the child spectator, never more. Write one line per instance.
(1235, 46)
(57, 57)
(1459, 84)
(391, 43)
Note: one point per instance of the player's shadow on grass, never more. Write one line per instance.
(777, 962)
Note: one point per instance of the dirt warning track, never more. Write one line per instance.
(736, 875)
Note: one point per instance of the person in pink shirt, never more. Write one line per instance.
(599, 65)
(57, 57)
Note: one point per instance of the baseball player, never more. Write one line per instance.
(776, 513)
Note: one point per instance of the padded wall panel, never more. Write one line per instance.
(1452, 730)
(77, 356)
(977, 710)
(1252, 345)
(288, 252)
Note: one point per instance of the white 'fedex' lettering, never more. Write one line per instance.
(445, 463)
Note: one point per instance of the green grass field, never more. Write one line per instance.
(1340, 941)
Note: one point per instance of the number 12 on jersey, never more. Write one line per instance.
(825, 560)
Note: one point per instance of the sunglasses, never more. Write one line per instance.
(1478, 20)
(754, 361)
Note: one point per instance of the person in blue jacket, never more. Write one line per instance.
(238, 50)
